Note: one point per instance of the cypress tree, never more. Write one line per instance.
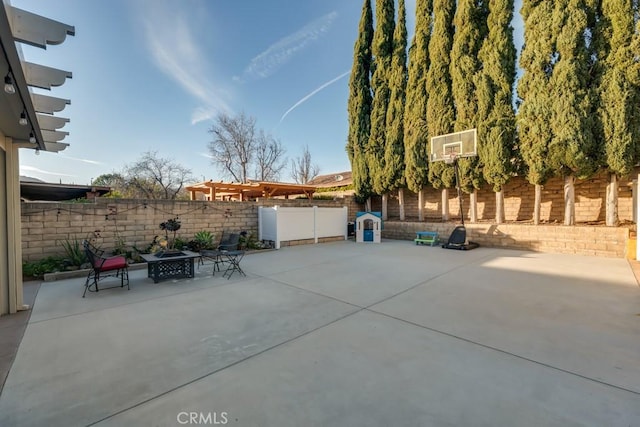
(393, 176)
(635, 45)
(573, 148)
(470, 31)
(415, 114)
(382, 53)
(619, 98)
(536, 60)
(359, 105)
(440, 110)
(496, 117)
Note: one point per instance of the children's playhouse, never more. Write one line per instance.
(368, 227)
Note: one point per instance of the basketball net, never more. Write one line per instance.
(449, 158)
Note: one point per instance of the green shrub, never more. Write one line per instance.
(74, 252)
(250, 241)
(179, 243)
(201, 240)
(120, 246)
(204, 238)
(37, 269)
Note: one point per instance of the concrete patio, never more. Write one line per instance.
(341, 334)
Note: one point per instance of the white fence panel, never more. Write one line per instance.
(268, 224)
(281, 224)
(295, 223)
(331, 222)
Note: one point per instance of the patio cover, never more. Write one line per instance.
(247, 191)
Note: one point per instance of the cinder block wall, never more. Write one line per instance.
(581, 240)
(46, 225)
(518, 201)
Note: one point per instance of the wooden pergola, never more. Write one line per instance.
(249, 191)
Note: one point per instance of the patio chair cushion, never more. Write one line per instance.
(115, 266)
(113, 263)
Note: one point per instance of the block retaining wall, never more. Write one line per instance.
(577, 239)
(590, 198)
(45, 225)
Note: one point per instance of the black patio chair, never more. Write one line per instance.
(228, 243)
(101, 267)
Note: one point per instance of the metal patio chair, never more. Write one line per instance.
(217, 256)
(102, 267)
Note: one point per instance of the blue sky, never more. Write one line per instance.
(152, 75)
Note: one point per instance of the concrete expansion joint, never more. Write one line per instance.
(508, 353)
(237, 362)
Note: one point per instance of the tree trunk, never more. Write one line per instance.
(421, 205)
(499, 207)
(473, 206)
(536, 204)
(367, 205)
(401, 203)
(385, 200)
(612, 201)
(569, 200)
(445, 204)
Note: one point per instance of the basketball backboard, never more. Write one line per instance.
(457, 144)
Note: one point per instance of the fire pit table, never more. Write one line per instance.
(170, 265)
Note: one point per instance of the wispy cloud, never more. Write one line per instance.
(91, 162)
(173, 47)
(25, 168)
(312, 93)
(279, 53)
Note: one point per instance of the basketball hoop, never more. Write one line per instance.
(449, 158)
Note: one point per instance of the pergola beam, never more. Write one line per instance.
(246, 191)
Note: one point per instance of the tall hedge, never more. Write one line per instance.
(573, 149)
(393, 175)
(619, 96)
(359, 104)
(537, 60)
(415, 114)
(382, 54)
(494, 85)
(470, 23)
(440, 108)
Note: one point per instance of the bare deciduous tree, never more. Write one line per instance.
(302, 168)
(269, 158)
(238, 148)
(154, 177)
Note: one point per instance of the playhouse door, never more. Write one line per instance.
(367, 236)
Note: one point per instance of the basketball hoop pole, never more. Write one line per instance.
(457, 172)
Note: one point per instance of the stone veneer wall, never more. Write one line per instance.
(46, 225)
(577, 239)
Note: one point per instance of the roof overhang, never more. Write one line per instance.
(44, 191)
(19, 26)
